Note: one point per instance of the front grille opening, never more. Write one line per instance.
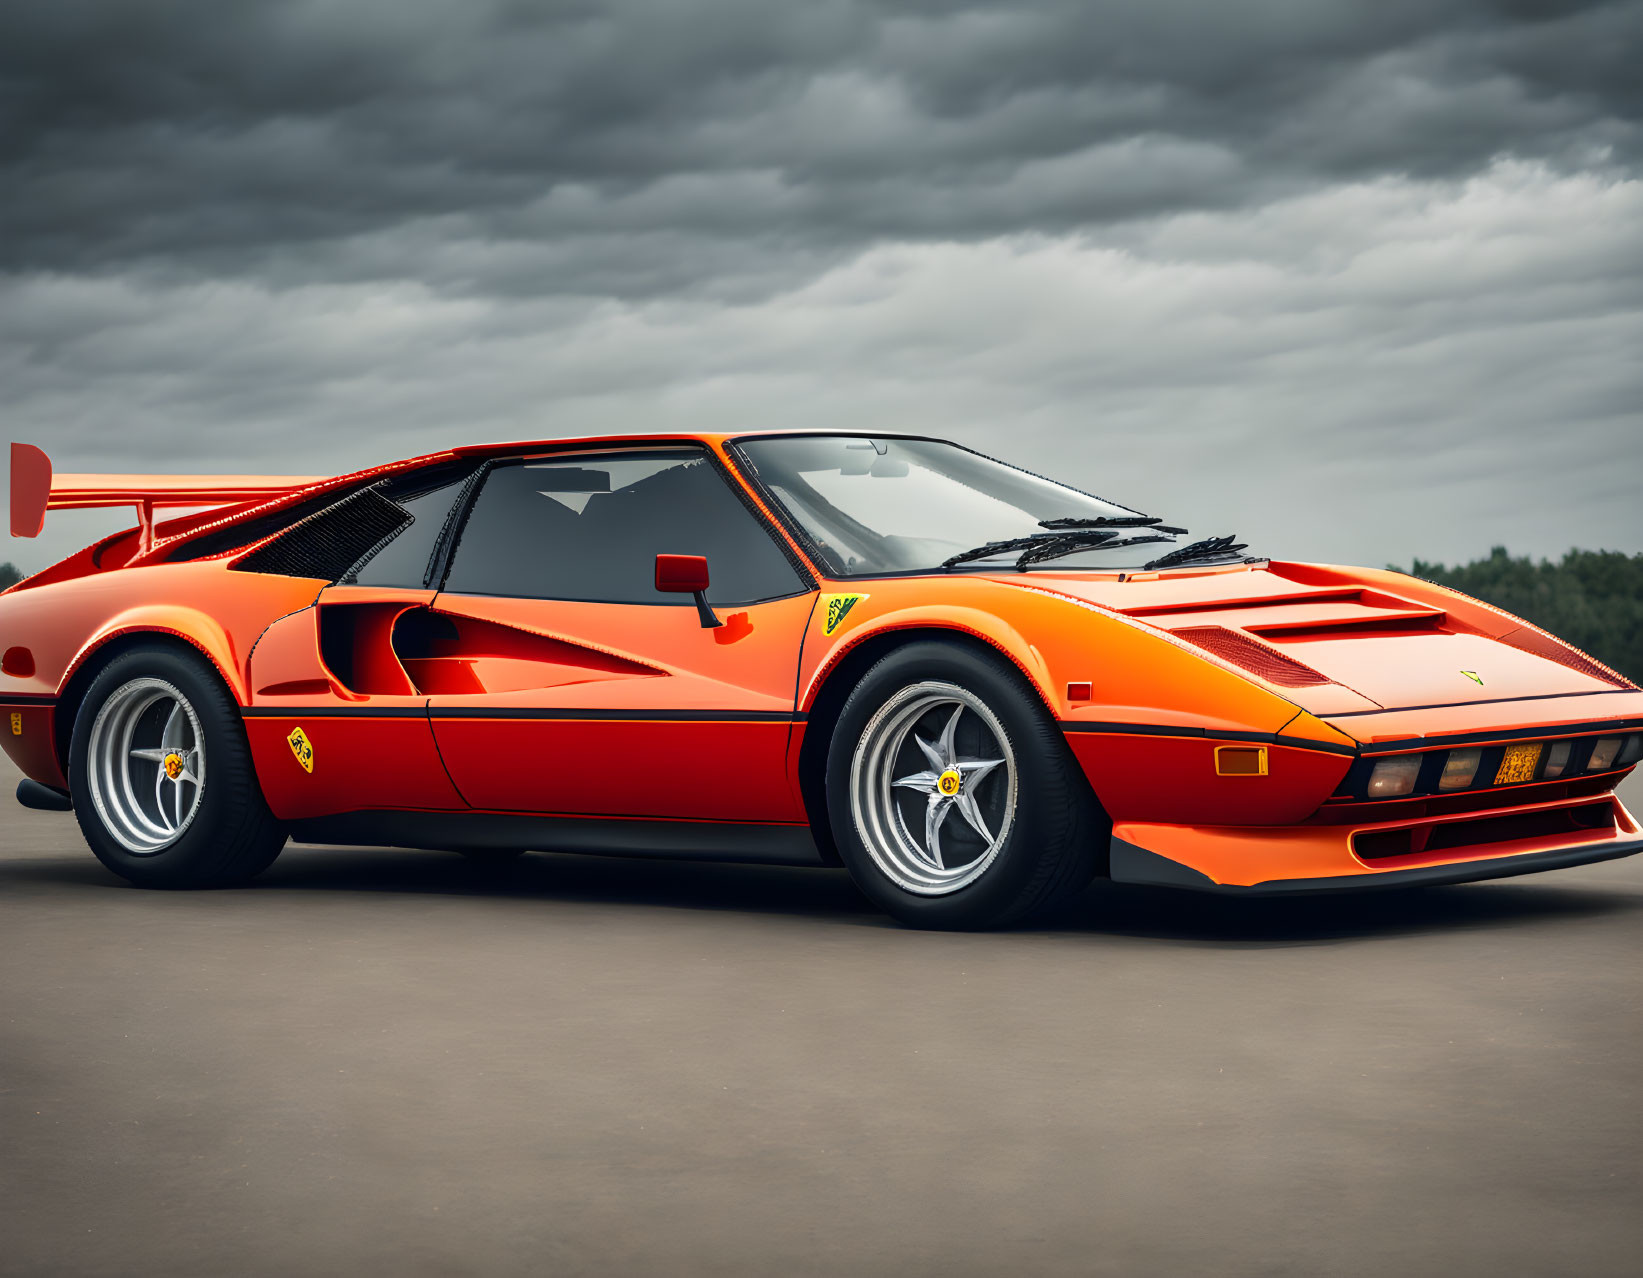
(1375, 845)
(1346, 809)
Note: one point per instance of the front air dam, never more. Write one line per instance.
(1269, 861)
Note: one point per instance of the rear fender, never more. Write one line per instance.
(195, 628)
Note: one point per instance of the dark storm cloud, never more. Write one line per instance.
(1380, 261)
(736, 144)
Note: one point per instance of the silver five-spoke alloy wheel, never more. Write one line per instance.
(145, 765)
(933, 788)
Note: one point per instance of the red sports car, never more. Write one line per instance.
(973, 687)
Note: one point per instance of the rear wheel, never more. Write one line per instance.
(952, 795)
(161, 775)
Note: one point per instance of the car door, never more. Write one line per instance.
(335, 723)
(562, 680)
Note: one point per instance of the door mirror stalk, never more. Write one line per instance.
(687, 575)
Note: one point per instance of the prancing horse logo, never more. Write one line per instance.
(302, 747)
(838, 608)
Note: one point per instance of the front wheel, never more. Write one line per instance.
(953, 798)
(161, 775)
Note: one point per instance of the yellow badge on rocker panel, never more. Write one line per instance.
(835, 609)
(302, 747)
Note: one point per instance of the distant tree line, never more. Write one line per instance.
(1592, 599)
(9, 576)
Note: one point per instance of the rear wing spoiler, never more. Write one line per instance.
(35, 490)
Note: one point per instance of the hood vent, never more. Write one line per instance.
(1253, 656)
(1543, 645)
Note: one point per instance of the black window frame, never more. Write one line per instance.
(808, 581)
(407, 486)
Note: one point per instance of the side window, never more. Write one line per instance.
(404, 560)
(590, 528)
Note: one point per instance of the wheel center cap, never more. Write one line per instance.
(173, 765)
(949, 782)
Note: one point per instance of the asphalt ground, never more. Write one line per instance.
(391, 1062)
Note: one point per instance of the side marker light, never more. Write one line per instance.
(1240, 761)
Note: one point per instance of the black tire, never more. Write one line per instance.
(1058, 833)
(231, 836)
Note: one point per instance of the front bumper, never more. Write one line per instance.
(1255, 861)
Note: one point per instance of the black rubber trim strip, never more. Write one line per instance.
(1215, 734)
(1502, 701)
(671, 716)
(334, 712)
(518, 712)
(1549, 732)
(28, 700)
(1132, 864)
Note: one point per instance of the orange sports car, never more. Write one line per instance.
(973, 687)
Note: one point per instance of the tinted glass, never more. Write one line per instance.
(404, 560)
(590, 528)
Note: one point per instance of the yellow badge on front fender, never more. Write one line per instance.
(835, 608)
(302, 747)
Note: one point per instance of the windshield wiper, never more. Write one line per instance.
(1072, 543)
(991, 548)
(1207, 550)
(1114, 521)
(1041, 547)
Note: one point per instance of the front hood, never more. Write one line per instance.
(1342, 640)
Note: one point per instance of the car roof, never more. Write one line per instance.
(662, 437)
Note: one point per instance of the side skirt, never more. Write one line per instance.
(460, 831)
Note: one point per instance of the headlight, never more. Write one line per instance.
(1557, 758)
(1460, 769)
(1603, 754)
(1632, 753)
(1394, 776)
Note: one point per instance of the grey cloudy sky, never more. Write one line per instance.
(1361, 281)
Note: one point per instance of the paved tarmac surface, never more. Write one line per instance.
(379, 1061)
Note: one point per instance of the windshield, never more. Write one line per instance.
(875, 506)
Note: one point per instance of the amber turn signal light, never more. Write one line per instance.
(1240, 761)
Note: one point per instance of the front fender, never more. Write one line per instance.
(823, 653)
(1144, 712)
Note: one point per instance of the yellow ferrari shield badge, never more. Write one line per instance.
(302, 747)
(837, 608)
(16, 723)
